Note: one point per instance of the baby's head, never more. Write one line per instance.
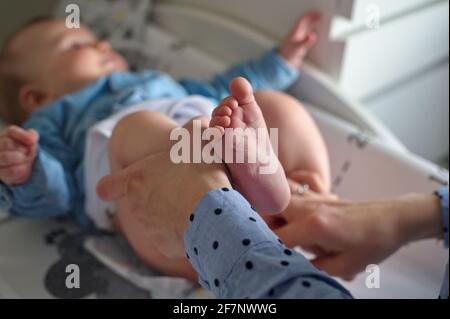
(46, 60)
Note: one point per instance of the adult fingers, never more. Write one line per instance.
(112, 187)
(313, 180)
(117, 185)
(338, 265)
(300, 233)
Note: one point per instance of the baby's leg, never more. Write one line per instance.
(134, 138)
(260, 178)
(301, 148)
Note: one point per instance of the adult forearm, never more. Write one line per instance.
(418, 217)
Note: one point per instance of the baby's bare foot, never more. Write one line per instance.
(255, 169)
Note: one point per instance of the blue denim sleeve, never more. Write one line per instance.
(45, 195)
(238, 256)
(270, 72)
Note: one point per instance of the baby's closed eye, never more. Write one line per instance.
(81, 44)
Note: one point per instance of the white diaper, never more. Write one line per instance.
(96, 155)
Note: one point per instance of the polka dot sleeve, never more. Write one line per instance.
(238, 256)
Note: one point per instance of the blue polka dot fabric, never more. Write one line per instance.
(238, 256)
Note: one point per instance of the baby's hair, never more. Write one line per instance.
(11, 112)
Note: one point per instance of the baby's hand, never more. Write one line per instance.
(300, 40)
(18, 149)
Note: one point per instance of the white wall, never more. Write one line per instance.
(418, 113)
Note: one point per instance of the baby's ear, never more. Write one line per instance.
(32, 98)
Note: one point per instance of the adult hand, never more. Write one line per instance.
(346, 237)
(163, 195)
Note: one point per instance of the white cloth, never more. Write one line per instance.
(96, 156)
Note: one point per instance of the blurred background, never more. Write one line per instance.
(395, 65)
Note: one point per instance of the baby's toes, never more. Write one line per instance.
(222, 110)
(242, 91)
(220, 122)
(231, 102)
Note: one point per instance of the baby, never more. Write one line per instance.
(83, 115)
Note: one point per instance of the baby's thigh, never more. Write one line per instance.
(301, 146)
(139, 135)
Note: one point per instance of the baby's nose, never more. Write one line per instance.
(103, 46)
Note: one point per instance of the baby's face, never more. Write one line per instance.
(59, 60)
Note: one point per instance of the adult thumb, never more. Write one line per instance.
(112, 187)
